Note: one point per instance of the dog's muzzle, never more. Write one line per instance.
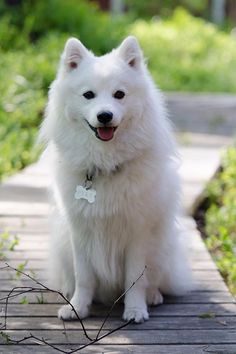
(104, 133)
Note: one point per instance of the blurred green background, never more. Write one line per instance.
(185, 53)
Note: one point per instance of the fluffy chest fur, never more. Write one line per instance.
(105, 228)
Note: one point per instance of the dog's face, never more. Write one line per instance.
(102, 94)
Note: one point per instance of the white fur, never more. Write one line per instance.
(100, 249)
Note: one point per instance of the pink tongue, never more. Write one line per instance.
(105, 133)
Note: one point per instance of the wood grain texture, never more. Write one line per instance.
(131, 349)
(142, 337)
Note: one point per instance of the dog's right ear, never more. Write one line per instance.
(74, 53)
(130, 52)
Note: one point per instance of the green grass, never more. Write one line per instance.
(220, 219)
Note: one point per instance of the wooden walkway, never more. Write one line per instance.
(201, 322)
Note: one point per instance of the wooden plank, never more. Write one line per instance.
(202, 265)
(134, 336)
(31, 264)
(41, 264)
(39, 244)
(212, 286)
(198, 275)
(24, 193)
(201, 285)
(36, 254)
(124, 349)
(155, 323)
(45, 310)
(195, 264)
(31, 224)
(192, 298)
(24, 254)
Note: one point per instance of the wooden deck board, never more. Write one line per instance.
(134, 349)
(154, 323)
(184, 310)
(135, 336)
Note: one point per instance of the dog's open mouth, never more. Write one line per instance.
(103, 133)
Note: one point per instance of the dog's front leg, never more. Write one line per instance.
(84, 287)
(135, 298)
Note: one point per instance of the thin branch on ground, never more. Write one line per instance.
(117, 300)
(50, 290)
(41, 288)
(4, 267)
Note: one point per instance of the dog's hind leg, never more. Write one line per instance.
(154, 297)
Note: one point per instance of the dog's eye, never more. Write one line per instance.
(119, 94)
(89, 95)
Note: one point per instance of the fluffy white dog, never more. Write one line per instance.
(115, 184)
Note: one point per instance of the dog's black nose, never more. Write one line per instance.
(105, 117)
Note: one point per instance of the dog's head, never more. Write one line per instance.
(103, 110)
(100, 92)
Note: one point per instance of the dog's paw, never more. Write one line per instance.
(137, 314)
(154, 297)
(66, 313)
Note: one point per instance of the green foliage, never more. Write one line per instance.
(21, 268)
(207, 315)
(32, 36)
(149, 8)
(40, 299)
(24, 301)
(8, 242)
(35, 19)
(21, 105)
(220, 219)
(5, 337)
(187, 54)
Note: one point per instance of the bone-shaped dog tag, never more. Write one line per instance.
(83, 193)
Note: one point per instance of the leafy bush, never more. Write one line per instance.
(188, 54)
(149, 8)
(34, 19)
(32, 36)
(220, 219)
(21, 106)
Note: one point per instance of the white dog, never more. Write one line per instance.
(115, 184)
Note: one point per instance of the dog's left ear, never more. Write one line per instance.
(130, 52)
(74, 53)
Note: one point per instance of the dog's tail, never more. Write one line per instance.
(177, 278)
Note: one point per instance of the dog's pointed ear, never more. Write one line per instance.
(130, 52)
(74, 53)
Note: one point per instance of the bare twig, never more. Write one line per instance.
(117, 300)
(29, 289)
(4, 267)
(41, 288)
(72, 351)
(40, 340)
(51, 290)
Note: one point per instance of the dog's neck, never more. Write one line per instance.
(94, 172)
